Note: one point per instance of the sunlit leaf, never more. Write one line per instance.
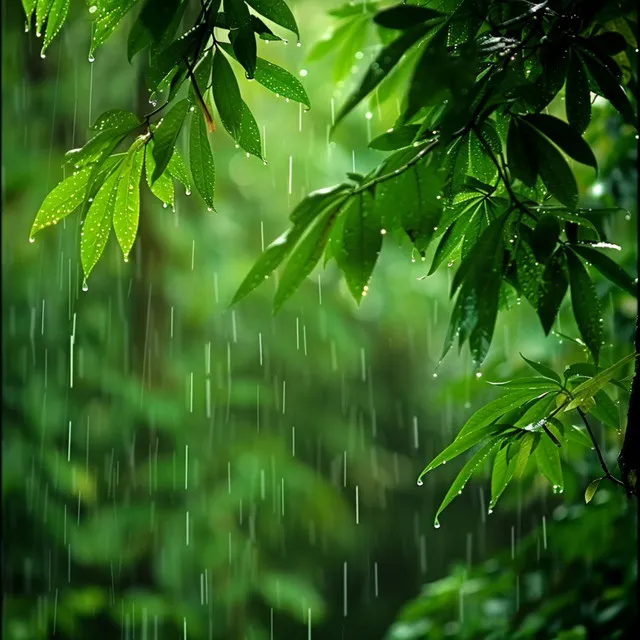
(543, 370)
(608, 268)
(57, 15)
(62, 200)
(591, 489)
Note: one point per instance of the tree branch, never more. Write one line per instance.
(603, 464)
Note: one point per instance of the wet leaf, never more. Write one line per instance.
(578, 96)
(382, 65)
(553, 288)
(554, 170)
(244, 48)
(405, 16)
(302, 216)
(608, 268)
(609, 87)
(547, 457)
(304, 258)
(504, 466)
(545, 237)
(237, 12)
(226, 94)
(606, 410)
(162, 188)
(543, 370)
(97, 224)
(360, 244)
(64, 199)
(521, 153)
(107, 16)
(201, 159)
(524, 451)
(127, 208)
(591, 489)
(165, 136)
(277, 11)
(118, 120)
(466, 472)
(564, 136)
(57, 15)
(397, 138)
(590, 387)
(249, 138)
(178, 170)
(157, 15)
(586, 305)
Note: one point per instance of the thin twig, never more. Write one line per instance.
(603, 464)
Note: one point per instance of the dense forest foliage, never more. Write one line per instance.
(180, 462)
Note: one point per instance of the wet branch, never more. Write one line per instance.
(603, 464)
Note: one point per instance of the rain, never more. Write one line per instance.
(178, 467)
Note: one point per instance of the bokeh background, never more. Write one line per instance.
(174, 468)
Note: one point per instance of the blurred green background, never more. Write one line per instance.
(173, 468)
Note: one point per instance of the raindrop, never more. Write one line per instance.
(298, 44)
(43, 55)
(478, 374)
(420, 482)
(187, 192)
(303, 72)
(32, 240)
(93, 8)
(368, 115)
(436, 524)
(92, 59)
(85, 286)
(164, 205)
(383, 232)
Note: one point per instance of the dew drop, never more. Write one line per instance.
(85, 286)
(93, 8)
(419, 483)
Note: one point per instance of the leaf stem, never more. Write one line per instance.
(393, 174)
(603, 464)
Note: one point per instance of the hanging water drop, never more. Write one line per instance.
(419, 483)
(92, 59)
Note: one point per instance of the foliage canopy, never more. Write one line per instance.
(481, 164)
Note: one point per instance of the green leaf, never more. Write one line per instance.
(360, 244)
(449, 242)
(64, 199)
(547, 457)
(553, 288)
(237, 12)
(244, 48)
(410, 201)
(157, 15)
(97, 224)
(302, 216)
(591, 489)
(178, 170)
(106, 17)
(29, 7)
(118, 120)
(563, 135)
(57, 15)
(42, 10)
(96, 149)
(280, 82)
(249, 138)
(586, 305)
(582, 369)
(578, 96)
(608, 268)
(606, 410)
(226, 94)
(277, 11)
(397, 138)
(201, 159)
(382, 65)
(526, 383)
(590, 387)
(610, 88)
(165, 136)
(202, 75)
(524, 451)
(543, 370)
(545, 237)
(405, 16)
(162, 188)
(465, 473)
(127, 209)
(504, 466)
(304, 258)
(263, 32)
(521, 153)
(554, 170)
